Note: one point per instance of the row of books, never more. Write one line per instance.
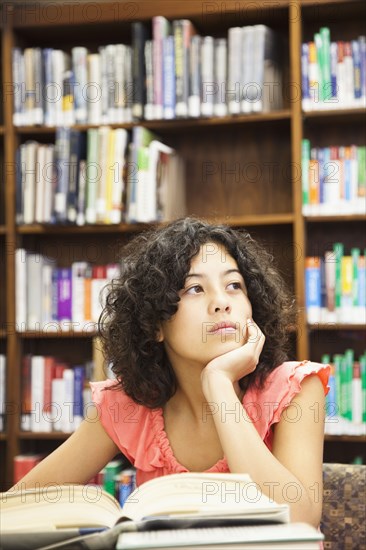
(50, 298)
(115, 478)
(54, 397)
(168, 72)
(335, 287)
(333, 179)
(346, 400)
(2, 391)
(102, 176)
(333, 72)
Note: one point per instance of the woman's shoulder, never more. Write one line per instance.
(115, 406)
(290, 374)
(293, 372)
(266, 404)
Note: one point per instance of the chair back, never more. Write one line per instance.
(343, 521)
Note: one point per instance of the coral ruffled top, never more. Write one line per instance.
(139, 431)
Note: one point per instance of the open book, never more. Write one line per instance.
(186, 495)
(177, 501)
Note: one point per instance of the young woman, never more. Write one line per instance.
(196, 331)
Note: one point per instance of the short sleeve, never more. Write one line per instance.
(282, 385)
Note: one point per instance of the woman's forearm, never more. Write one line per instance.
(245, 451)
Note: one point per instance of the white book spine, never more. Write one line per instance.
(67, 420)
(58, 399)
(94, 89)
(78, 273)
(79, 63)
(40, 182)
(208, 84)
(101, 202)
(39, 421)
(357, 401)
(247, 73)
(59, 67)
(96, 297)
(29, 182)
(220, 77)
(233, 90)
(121, 137)
(119, 76)
(21, 289)
(46, 295)
(34, 291)
(49, 176)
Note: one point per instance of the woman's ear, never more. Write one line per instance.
(159, 334)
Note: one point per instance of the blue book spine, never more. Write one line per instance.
(333, 68)
(62, 172)
(331, 398)
(356, 69)
(321, 161)
(323, 290)
(168, 77)
(313, 289)
(362, 43)
(347, 178)
(305, 71)
(361, 298)
(49, 114)
(328, 174)
(79, 376)
(54, 301)
(64, 295)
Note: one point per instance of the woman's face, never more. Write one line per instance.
(212, 312)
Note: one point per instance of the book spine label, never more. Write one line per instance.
(169, 77)
(64, 311)
(313, 289)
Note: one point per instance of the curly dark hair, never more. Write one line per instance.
(155, 265)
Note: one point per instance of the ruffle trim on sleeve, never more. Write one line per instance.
(298, 372)
(282, 385)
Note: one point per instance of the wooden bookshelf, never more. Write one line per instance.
(272, 210)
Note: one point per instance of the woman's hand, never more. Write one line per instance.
(239, 362)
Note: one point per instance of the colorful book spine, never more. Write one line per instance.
(313, 289)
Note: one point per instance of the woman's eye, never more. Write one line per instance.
(235, 286)
(194, 289)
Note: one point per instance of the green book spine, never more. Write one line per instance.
(338, 252)
(92, 174)
(305, 159)
(337, 359)
(344, 396)
(363, 382)
(320, 55)
(361, 163)
(349, 358)
(355, 253)
(326, 78)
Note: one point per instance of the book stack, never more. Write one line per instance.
(191, 510)
(54, 299)
(335, 287)
(55, 396)
(333, 180)
(333, 72)
(168, 71)
(346, 400)
(117, 479)
(100, 177)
